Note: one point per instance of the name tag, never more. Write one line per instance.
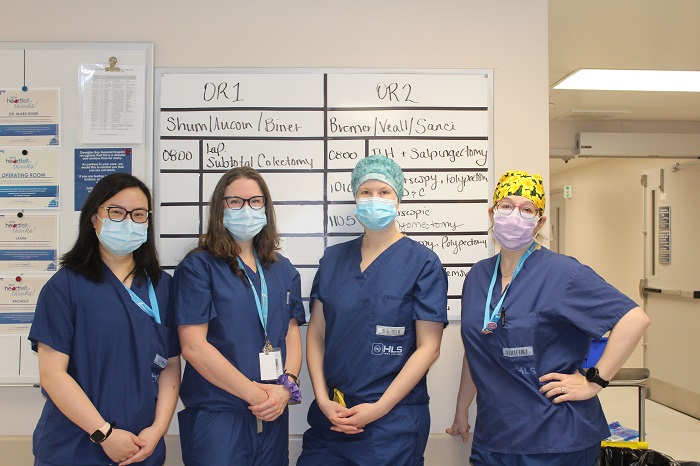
(391, 331)
(160, 361)
(518, 352)
(271, 364)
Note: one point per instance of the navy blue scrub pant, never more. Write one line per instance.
(587, 457)
(397, 439)
(226, 438)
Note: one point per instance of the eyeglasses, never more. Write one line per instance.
(236, 203)
(118, 214)
(527, 211)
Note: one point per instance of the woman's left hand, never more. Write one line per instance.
(568, 387)
(277, 399)
(151, 436)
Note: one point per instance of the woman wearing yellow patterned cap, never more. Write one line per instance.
(528, 317)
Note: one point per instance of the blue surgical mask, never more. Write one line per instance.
(244, 223)
(375, 213)
(122, 238)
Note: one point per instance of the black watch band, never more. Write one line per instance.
(98, 436)
(294, 378)
(593, 376)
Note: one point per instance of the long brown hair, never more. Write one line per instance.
(219, 242)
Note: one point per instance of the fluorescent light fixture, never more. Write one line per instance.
(631, 80)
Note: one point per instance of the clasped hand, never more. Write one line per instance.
(277, 399)
(350, 420)
(121, 446)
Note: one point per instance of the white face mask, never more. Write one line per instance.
(122, 238)
(513, 232)
(244, 223)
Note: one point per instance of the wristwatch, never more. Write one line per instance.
(593, 376)
(99, 436)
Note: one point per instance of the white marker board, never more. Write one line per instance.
(305, 130)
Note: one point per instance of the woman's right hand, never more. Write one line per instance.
(331, 409)
(122, 445)
(460, 426)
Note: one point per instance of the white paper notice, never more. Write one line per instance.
(112, 104)
(28, 243)
(18, 297)
(29, 179)
(29, 118)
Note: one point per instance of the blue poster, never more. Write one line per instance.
(91, 165)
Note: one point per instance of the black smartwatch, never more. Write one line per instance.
(593, 376)
(98, 436)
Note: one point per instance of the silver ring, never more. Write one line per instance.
(563, 390)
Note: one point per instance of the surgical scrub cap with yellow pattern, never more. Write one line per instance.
(519, 183)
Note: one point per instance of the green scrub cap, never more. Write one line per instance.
(378, 167)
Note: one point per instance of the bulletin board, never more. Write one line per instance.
(49, 165)
(304, 131)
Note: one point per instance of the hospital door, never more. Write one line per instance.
(671, 284)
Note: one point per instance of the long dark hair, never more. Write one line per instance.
(219, 242)
(84, 256)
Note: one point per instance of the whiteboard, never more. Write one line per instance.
(55, 65)
(304, 130)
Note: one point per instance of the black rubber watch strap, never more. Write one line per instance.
(593, 376)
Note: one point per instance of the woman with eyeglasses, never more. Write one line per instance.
(378, 310)
(109, 360)
(238, 308)
(528, 317)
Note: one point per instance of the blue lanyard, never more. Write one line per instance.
(490, 323)
(151, 310)
(261, 304)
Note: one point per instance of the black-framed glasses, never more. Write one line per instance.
(526, 211)
(236, 203)
(118, 214)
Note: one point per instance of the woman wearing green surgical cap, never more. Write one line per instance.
(378, 309)
(528, 317)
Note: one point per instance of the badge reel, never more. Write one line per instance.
(270, 362)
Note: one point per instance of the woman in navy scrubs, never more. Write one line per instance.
(528, 317)
(238, 309)
(108, 354)
(379, 306)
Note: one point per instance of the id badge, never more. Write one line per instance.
(271, 364)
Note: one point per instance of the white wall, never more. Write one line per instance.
(509, 36)
(604, 219)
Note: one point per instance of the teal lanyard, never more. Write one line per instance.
(490, 324)
(151, 310)
(260, 303)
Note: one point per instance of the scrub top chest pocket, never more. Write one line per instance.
(160, 337)
(391, 317)
(283, 300)
(514, 345)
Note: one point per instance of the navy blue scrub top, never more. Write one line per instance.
(207, 291)
(113, 347)
(370, 316)
(554, 307)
